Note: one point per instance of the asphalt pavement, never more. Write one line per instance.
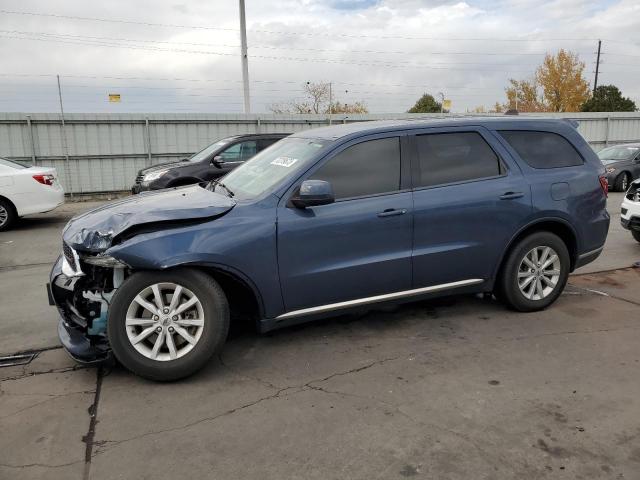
(455, 388)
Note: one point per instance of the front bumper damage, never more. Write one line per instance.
(82, 301)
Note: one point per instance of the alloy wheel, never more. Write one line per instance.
(4, 216)
(164, 321)
(625, 182)
(539, 273)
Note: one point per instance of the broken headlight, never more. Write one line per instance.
(103, 261)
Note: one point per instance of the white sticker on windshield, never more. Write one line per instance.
(284, 161)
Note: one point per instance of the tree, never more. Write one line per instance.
(426, 104)
(316, 98)
(356, 107)
(564, 87)
(523, 96)
(607, 98)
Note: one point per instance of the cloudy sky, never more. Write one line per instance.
(172, 56)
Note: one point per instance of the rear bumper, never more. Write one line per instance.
(588, 257)
(73, 327)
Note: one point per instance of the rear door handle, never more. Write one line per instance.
(511, 195)
(392, 212)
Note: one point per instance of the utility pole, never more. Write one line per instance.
(65, 146)
(595, 82)
(245, 60)
(330, 101)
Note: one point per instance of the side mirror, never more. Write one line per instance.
(313, 193)
(218, 161)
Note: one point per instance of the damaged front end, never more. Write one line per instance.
(87, 274)
(82, 292)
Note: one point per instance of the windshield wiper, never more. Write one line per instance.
(215, 182)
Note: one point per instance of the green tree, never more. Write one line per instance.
(608, 98)
(426, 104)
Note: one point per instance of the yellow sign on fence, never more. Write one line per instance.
(114, 97)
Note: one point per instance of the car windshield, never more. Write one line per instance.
(617, 154)
(9, 163)
(206, 152)
(269, 167)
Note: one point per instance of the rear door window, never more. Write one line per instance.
(454, 157)
(367, 168)
(542, 149)
(240, 151)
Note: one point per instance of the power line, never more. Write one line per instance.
(266, 57)
(268, 47)
(284, 32)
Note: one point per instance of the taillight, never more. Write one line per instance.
(44, 179)
(604, 183)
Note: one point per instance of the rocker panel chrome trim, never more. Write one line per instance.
(378, 298)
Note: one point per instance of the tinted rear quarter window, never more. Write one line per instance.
(367, 168)
(454, 157)
(542, 149)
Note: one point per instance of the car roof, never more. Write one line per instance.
(257, 135)
(357, 129)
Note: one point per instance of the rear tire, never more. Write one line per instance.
(176, 339)
(534, 273)
(636, 235)
(8, 215)
(622, 182)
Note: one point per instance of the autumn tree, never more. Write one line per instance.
(561, 78)
(316, 99)
(608, 98)
(522, 95)
(426, 104)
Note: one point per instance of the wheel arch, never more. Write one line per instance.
(555, 225)
(242, 294)
(11, 204)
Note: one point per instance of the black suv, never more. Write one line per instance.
(214, 161)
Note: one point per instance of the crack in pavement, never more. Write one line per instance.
(44, 372)
(111, 444)
(40, 465)
(50, 397)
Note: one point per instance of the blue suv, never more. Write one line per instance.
(328, 220)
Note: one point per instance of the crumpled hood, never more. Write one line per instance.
(95, 230)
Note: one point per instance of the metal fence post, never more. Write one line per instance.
(148, 135)
(259, 125)
(33, 145)
(606, 135)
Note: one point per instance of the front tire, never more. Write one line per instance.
(636, 235)
(167, 325)
(622, 182)
(8, 215)
(535, 273)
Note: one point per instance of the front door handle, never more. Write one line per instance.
(392, 212)
(511, 195)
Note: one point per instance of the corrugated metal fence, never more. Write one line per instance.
(104, 151)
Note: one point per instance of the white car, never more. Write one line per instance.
(25, 190)
(630, 213)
